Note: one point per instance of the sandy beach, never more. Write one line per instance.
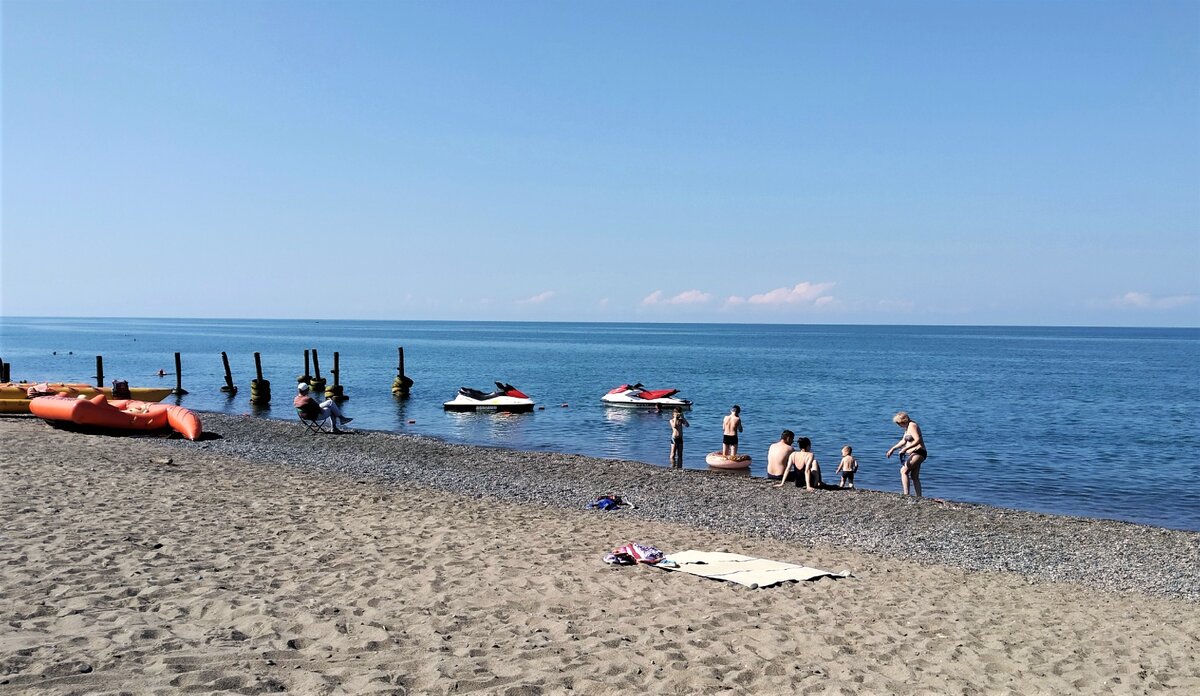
(265, 560)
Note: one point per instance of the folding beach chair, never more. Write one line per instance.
(314, 421)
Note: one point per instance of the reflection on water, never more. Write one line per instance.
(490, 428)
(402, 417)
(628, 429)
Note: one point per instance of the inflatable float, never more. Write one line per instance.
(15, 396)
(719, 461)
(119, 414)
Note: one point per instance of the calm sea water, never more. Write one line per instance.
(1083, 421)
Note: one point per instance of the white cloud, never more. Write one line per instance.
(538, 298)
(687, 297)
(690, 297)
(804, 294)
(1144, 300)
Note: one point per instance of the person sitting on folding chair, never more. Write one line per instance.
(310, 410)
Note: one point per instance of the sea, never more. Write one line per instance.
(1094, 422)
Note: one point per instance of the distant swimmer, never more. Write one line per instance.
(911, 449)
(678, 423)
(777, 455)
(161, 373)
(731, 426)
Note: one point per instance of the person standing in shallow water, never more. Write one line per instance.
(678, 423)
(730, 427)
(911, 449)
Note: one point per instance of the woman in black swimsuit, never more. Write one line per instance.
(911, 449)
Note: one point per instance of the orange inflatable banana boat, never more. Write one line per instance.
(15, 396)
(118, 414)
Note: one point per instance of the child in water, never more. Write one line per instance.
(678, 423)
(846, 468)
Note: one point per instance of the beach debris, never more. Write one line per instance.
(165, 461)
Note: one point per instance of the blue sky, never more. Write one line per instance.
(866, 162)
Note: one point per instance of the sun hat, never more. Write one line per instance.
(302, 387)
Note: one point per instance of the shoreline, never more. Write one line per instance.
(827, 477)
(268, 560)
(1109, 554)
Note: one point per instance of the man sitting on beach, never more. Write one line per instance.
(777, 455)
(314, 411)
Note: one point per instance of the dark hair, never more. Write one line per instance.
(737, 409)
(787, 435)
(804, 443)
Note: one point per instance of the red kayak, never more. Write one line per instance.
(118, 414)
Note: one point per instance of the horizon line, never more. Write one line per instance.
(561, 321)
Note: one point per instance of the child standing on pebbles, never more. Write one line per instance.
(847, 467)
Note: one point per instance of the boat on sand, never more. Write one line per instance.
(15, 396)
(119, 414)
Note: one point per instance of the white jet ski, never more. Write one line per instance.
(506, 398)
(637, 396)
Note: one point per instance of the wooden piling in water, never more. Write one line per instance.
(179, 390)
(99, 370)
(229, 387)
(306, 377)
(317, 382)
(260, 389)
(335, 392)
(402, 384)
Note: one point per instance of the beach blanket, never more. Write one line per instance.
(744, 570)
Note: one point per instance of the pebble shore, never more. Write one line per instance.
(1108, 555)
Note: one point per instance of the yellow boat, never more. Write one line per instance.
(14, 396)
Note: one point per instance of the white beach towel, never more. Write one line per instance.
(744, 570)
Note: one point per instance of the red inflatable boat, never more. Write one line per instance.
(118, 414)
